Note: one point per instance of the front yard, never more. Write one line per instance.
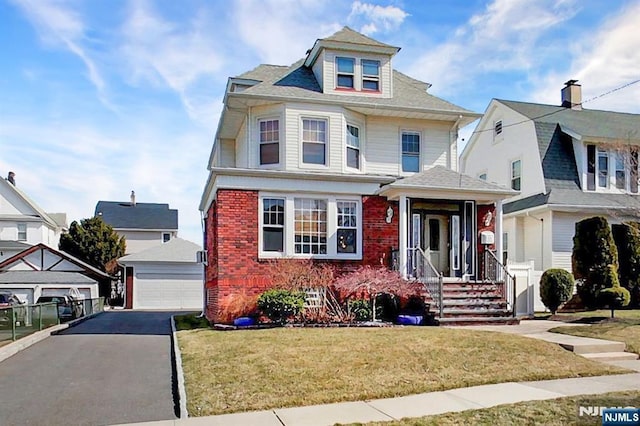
(283, 367)
(624, 328)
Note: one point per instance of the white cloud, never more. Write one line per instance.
(281, 31)
(606, 58)
(185, 58)
(505, 37)
(59, 25)
(386, 17)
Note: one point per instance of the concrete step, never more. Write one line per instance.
(580, 345)
(611, 356)
(477, 312)
(455, 321)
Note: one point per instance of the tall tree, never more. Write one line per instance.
(94, 242)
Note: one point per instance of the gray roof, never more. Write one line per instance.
(347, 35)
(439, 177)
(585, 122)
(174, 250)
(13, 245)
(554, 127)
(124, 215)
(44, 277)
(299, 82)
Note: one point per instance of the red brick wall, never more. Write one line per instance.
(232, 244)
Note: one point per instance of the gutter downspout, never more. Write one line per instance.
(455, 140)
(204, 266)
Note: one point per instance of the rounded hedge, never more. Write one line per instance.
(279, 305)
(556, 287)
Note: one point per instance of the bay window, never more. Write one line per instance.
(353, 147)
(314, 140)
(314, 226)
(269, 141)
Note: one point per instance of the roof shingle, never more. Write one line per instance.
(124, 215)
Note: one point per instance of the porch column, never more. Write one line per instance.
(402, 236)
(499, 243)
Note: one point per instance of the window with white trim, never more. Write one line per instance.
(22, 232)
(310, 226)
(353, 147)
(603, 168)
(370, 75)
(410, 151)
(345, 72)
(347, 226)
(273, 225)
(314, 141)
(516, 175)
(310, 231)
(621, 175)
(269, 131)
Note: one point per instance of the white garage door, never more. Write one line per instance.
(163, 291)
(24, 294)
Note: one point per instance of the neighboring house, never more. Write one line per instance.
(23, 220)
(41, 269)
(144, 225)
(342, 159)
(568, 163)
(10, 248)
(166, 276)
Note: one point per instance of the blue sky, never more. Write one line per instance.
(98, 98)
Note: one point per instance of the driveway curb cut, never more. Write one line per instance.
(21, 344)
(177, 361)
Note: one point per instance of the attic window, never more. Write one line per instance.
(370, 75)
(22, 232)
(345, 72)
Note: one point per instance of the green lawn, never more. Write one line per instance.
(560, 412)
(262, 369)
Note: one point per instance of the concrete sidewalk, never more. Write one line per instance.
(418, 405)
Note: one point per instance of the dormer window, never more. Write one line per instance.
(345, 72)
(370, 75)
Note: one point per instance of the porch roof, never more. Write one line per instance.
(438, 182)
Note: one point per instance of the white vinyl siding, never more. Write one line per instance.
(226, 153)
(242, 149)
(329, 74)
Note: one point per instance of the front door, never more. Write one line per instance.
(436, 242)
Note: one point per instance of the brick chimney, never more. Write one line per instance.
(133, 198)
(572, 95)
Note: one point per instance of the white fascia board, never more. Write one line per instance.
(394, 193)
(291, 184)
(146, 229)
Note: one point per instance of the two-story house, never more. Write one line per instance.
(23, 223)
(342, 159)
(160, 270)
(144, 225)
(568, 163)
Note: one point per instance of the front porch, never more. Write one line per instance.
(450, 239)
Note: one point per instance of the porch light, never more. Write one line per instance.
(389, 214)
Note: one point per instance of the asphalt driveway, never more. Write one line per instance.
(113, 368)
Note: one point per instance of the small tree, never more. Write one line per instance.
(556, 287)
(370, 282)
(614, 296)
(627, 239)
(594, 253)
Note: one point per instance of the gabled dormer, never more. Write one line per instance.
(352, 64)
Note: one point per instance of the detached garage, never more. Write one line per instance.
(30, 285)
(164, 277)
